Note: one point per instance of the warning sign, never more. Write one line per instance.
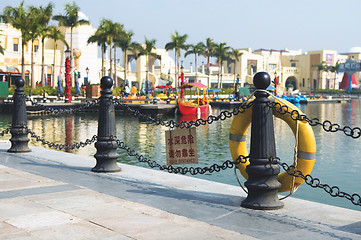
(181, 146)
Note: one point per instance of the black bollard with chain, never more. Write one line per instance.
(262, 183)
(19, 135)
(106, 146)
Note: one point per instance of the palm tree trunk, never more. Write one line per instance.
(209, 72)
(54, 59)
(234, 72)
(175, 68)
(221, 74)
(103, 57)
(115, 68)
(42, 62)
(147, 68)
(23, 60)
(32, 65)
(71, 56)
(195, 61)
(110, 60)
(219, 71)
(125, 64)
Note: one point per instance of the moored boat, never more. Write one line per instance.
(197, 105)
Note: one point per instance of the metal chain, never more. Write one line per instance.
(47, 109)
(334, 191)
(62, 146)
(184, 124)
(6, 131)
(181, 170)
(327, 125)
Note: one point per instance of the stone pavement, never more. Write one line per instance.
(47, 194)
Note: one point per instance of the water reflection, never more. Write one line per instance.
(337, 157)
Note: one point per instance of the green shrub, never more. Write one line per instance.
(117, 91)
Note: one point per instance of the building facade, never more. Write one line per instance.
(293, 68)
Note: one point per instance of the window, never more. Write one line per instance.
(272, 66)
(293, 64)
(36, 45)
(303, 82)
(16, 44)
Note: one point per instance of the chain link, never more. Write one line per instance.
(53, 110)
(327, 125)
(184, 124)
(316, 183)
(181, 170)
(61, 146)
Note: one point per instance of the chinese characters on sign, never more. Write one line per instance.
(181, 146)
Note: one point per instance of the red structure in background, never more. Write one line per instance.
(276, 83)
(67, 81)
(346, 81)
(181, 77)
(68, 133)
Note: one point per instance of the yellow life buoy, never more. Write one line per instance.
(306, 144)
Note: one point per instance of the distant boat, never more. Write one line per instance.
(197, 105)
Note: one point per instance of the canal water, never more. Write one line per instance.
(338, 161)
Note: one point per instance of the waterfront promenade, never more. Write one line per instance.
(47, 194)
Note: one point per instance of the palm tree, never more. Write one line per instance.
(320, 67)
(178, 42)
(147, 50)
(117, 32)
(19, 19)
(196, 50)
(334, 69)
(125, 43)
(208, 52)
(235, 53)
(111, 31)
(44, 16)
(55, 34)
(71, 20)
(99, 37)
(222, 54)
(34, 32)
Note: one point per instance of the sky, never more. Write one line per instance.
(271, 24)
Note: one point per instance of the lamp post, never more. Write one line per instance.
(67, 77)
(87, 76)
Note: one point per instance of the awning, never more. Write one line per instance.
(196, 85)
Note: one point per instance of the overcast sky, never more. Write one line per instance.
(277, 24)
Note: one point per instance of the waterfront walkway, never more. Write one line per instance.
(47, 194)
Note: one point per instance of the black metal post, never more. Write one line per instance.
(262, 183)
(106, 154)
(19, 135)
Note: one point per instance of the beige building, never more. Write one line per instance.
(293, 68)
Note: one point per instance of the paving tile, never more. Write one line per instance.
(73, 199)
(8, 232)
(15, 207)
(12, 179)
(41, 219)
(79, 231)
(94, 212)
